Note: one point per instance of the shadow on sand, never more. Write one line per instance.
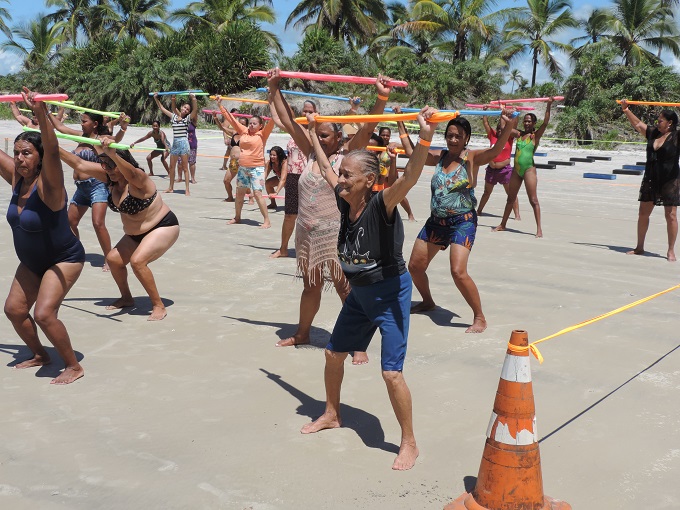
(367, 426)
(619, 249)
(319, 337)
(21, 352)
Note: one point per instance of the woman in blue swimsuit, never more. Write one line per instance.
(51, 257)
(150, 227)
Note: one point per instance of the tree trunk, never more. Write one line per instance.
(533, 74)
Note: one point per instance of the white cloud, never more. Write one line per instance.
(9, 63)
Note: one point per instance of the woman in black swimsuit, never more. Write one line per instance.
(150, 227)
(162, 144)
(661, 180)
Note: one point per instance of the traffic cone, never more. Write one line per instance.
(510, 473)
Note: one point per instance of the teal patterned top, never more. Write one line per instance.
(451, 193)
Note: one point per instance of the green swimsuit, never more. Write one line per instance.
(524, 155)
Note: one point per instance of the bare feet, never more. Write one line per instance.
(279, 253)
(411, 218)
(69, 375)
(539, 233)
(423, 306)
(636, 251)
(408, 453)
(478, 325)
(158, 313)
(123, 302)
(359, 358)
(105, 268)
(152, 174)
(186, 193)
(169, 190)
(251, 201)
(499, 228)
(266, 224)
(517, 218)
(229, 199)
(292, 341)
(322, 423)
(271, 206)
(35, 361)
(671, 256)
(193, 181)
(233, 221)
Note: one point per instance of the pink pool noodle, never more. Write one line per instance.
(38, 97)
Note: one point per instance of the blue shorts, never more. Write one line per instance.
(180, 147)
(90, 191)
(385, 305)
(250, 177)
(458, 229)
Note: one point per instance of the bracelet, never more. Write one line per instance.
(424, 143)
(383, 98)
(403, 135)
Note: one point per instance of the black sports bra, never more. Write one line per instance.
(234, 141)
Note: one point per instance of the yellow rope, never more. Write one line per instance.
(534, 350)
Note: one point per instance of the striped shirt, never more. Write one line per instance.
(180, 126)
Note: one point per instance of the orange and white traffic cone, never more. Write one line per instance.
(510, 473)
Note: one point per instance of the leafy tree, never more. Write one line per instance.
(595, 28)
(42, 39)
(138, 19)
(352, 21)
(5, 15)
(636, 25)
(515, 78)
(536, 25)
(74, 13)
(453, 22)
(218, 14)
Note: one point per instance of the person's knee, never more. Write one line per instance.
(113, 258)
(15, 311)
(458, 273)
(138, 264)
(99, 224)
(335, 358)
(392, 377)
(533, 201)
(671, 215)
(44, 315)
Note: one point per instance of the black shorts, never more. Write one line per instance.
(291, 187)
(169, 220)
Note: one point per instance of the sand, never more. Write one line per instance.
(202, 411)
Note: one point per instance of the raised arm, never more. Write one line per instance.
(61, 127)
(637, 124)
(360, 140)
(161, 107)
(194, 109)
(407, 143)
(397, 192)
(7, 167)
(235, 124)
(286, 116)
(20, 117)
(124, 120)
(484, 156)
(546, 120)
(135, 176)
(60, 113)
(81, 166)
(489, 131)
(274, 111)
(325, 167)
(53, 193)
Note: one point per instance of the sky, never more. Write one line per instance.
(23, 11)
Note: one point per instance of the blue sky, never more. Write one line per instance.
(23, 10)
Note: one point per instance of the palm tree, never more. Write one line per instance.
(5, 15)
(138, 19)
(454, 22)
(636, 25)
(536, 24)
(74, 13)
(596, 26)
(217, 14)
(352, 21)
(42, 41)
(516, 79)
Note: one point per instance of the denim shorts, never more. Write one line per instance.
(180, 147)
(90, 191)
(386, 305)
(250, 177)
